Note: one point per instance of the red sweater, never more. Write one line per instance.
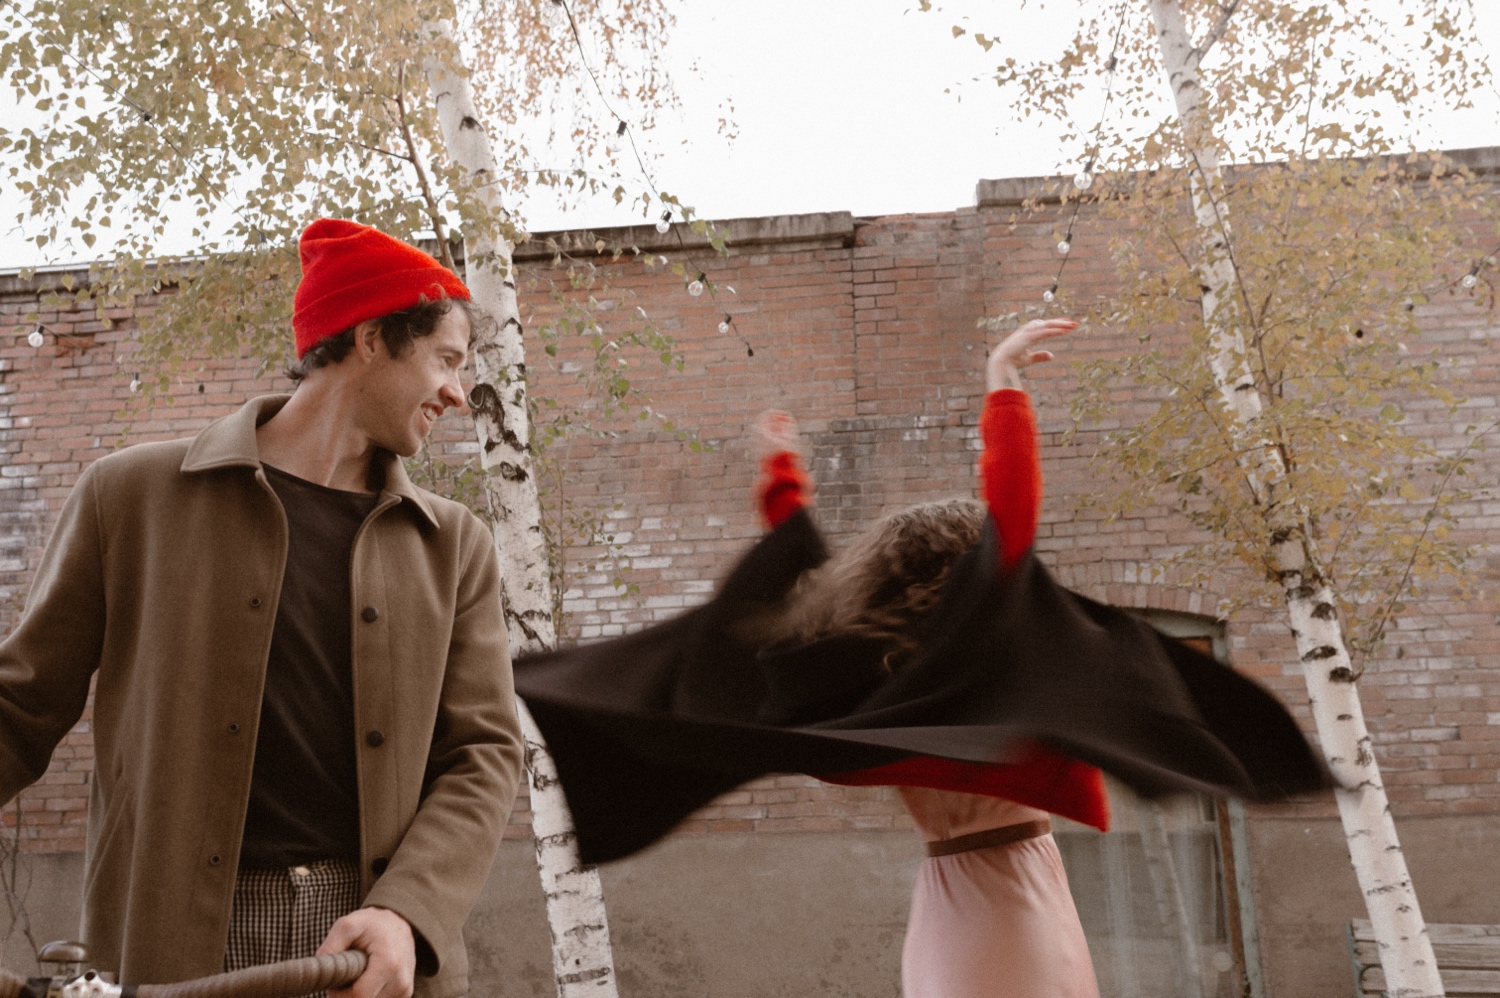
(1011, 481)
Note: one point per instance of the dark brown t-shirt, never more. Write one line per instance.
(304, 797)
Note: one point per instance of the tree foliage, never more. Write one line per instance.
(1337, 263)
(1341, 235)
(226, 128)
(534, 86)
(1306, 79)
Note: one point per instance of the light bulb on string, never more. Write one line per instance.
(695, 288)
(1084, 178)
(665, 223)
(1066, 246)
(1471, 278)
(1050, 294)
(724, 323)
(135, 383)
(35, 337)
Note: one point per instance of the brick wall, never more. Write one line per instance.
(865, 329)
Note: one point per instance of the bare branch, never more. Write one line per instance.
(434, 213)
(357, 144)
(1216, 32)
(1377, 631)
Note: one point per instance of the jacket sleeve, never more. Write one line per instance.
(47, 661)
(1010, 470)
(436, 874)
(784, 488)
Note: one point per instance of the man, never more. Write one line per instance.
(304, 728)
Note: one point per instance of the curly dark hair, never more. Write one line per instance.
(886, 582)
(397, 329)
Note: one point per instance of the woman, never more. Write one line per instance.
(936, 653)
(991, 912)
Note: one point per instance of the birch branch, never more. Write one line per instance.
(1215, 33)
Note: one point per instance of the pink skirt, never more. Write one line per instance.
(996, 923)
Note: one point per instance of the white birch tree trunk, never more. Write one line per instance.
(582, 961)
(1374, 849)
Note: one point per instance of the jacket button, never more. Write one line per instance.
(370, 614)
(255, 602)
(374, 739)
(234, 727)
(214, 860)
(378, 865)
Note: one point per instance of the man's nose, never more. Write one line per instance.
(452, 393)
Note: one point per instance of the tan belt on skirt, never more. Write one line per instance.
(1002, 836)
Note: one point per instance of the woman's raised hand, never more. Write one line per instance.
(1018, 350)
(772, 432)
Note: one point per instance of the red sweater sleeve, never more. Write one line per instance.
(784, 487)
(1010, 470)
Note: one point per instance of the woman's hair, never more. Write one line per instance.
(887, 581)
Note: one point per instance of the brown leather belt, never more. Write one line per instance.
(1002, 836)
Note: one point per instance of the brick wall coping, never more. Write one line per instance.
(817, 230)
(43, 278)
(1013, 191)
(1010, 191)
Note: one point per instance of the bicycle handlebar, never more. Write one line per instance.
(290, 979)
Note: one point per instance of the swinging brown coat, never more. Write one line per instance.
(163, 575)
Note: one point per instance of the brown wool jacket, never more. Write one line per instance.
(163, 575)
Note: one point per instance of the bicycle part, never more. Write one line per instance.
(290, 979)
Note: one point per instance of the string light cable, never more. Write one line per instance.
(1084, 179)
(1470, 280)
(700, 282)
(146, 115)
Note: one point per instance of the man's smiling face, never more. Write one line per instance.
(404, 396)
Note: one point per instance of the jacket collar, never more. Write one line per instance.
(230, 443)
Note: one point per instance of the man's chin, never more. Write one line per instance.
(404, 448)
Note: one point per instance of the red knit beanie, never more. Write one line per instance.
(351, 272)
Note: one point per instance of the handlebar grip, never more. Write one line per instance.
(290, 979)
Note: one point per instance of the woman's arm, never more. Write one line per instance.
(1010, 467)
(784, 487)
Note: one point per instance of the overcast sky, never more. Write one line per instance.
(841, 105)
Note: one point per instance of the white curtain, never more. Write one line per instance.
(1151, 898)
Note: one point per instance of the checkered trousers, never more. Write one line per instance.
(283, 914)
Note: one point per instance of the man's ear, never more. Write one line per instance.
(367, 340)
